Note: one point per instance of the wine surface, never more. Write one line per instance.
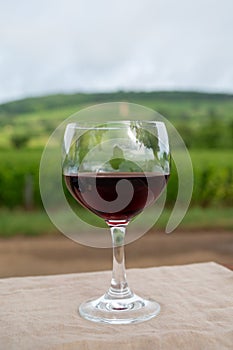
(101, 192)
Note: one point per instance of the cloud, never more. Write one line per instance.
(85, 45)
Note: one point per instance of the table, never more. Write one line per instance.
(196, 310)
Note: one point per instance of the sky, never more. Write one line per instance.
(62, 46)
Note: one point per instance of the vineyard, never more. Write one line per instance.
(205, 121)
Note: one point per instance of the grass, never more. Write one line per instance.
(35, 223)
(199, 218)
(28, 223)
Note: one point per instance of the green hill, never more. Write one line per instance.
(203, 119)
(195, 100)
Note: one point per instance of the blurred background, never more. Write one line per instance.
(57, 57)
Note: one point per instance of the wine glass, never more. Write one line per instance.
(116, 170)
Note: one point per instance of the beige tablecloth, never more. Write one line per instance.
(196, 311)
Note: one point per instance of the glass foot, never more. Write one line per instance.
(119, 311)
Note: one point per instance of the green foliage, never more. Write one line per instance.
(19, 140)
(205, 121)
(15, 166)
(211, 134)
(213, 178)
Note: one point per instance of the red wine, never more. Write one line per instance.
(109, 197)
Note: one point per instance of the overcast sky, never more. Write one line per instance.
(50, 46)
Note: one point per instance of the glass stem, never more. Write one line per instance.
(119, 286)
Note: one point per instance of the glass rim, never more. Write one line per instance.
(112, 125)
